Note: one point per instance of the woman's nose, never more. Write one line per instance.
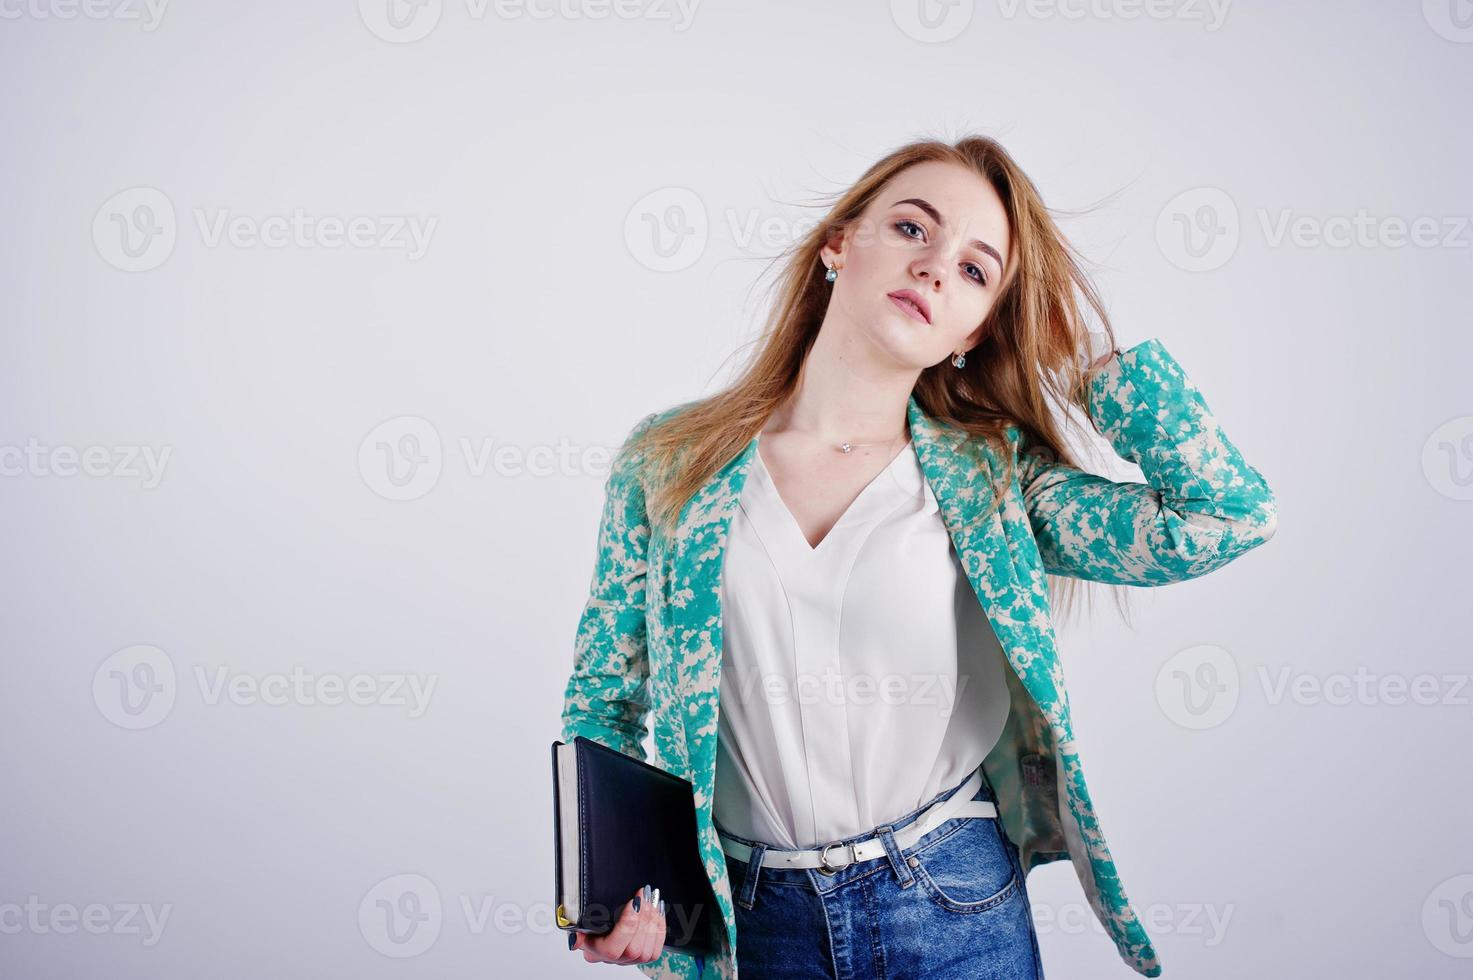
(928, 269)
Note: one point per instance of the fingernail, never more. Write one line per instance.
(646, 893)
(662, 908)
(572, 939)
(656, 898)
(636, 902)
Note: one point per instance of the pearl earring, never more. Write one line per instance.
(959, 360)
(832, 274)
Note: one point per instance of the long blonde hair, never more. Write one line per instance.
(1029, 356)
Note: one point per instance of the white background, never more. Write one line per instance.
(1284, 837)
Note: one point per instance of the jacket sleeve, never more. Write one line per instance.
(606, 698)
(1203, 506)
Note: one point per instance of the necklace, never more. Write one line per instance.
(845, 447)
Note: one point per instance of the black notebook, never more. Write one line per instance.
(620, 823)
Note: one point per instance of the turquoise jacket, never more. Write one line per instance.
(648, 645)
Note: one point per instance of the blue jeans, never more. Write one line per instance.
(953, 904)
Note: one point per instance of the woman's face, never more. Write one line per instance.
(939, 231)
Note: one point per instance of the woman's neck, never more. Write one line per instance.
(847, 392)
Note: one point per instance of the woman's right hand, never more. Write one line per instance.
(638, 936)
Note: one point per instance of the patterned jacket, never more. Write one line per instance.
(648, 644)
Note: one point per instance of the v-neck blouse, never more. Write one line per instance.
(860, 678)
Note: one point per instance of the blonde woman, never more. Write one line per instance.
(826, 589)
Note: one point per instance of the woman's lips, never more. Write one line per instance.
(909, 308)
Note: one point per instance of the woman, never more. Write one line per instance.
(827, 587)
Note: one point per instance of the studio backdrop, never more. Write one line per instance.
(322, 322)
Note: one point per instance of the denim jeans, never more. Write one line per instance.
(953, 904)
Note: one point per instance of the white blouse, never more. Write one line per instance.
(860, 678)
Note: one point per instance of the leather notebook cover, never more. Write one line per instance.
(635, 824)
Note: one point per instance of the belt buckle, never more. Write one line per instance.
(823, 859)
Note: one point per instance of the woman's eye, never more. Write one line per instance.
(905, 223)
(980, 276)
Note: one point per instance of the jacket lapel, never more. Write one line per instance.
(999, 554)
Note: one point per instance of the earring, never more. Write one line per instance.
(832, 274)
(959, 360)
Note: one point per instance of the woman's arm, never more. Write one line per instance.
(607, 695)
(1203, 506)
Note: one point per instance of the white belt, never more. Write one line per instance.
(958, 804)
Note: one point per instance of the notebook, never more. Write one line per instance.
(620, 823)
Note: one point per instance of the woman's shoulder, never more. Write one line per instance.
(1003, 436)
(659, 417)
(676, 409)
(631, 453)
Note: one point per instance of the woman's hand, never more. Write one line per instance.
(638, 936)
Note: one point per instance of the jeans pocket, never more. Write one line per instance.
(969, 870)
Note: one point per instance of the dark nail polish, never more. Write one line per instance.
(636, 903)
(572, 939)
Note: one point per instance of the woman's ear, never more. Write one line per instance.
(832, 252)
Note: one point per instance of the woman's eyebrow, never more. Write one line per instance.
(927, 207)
